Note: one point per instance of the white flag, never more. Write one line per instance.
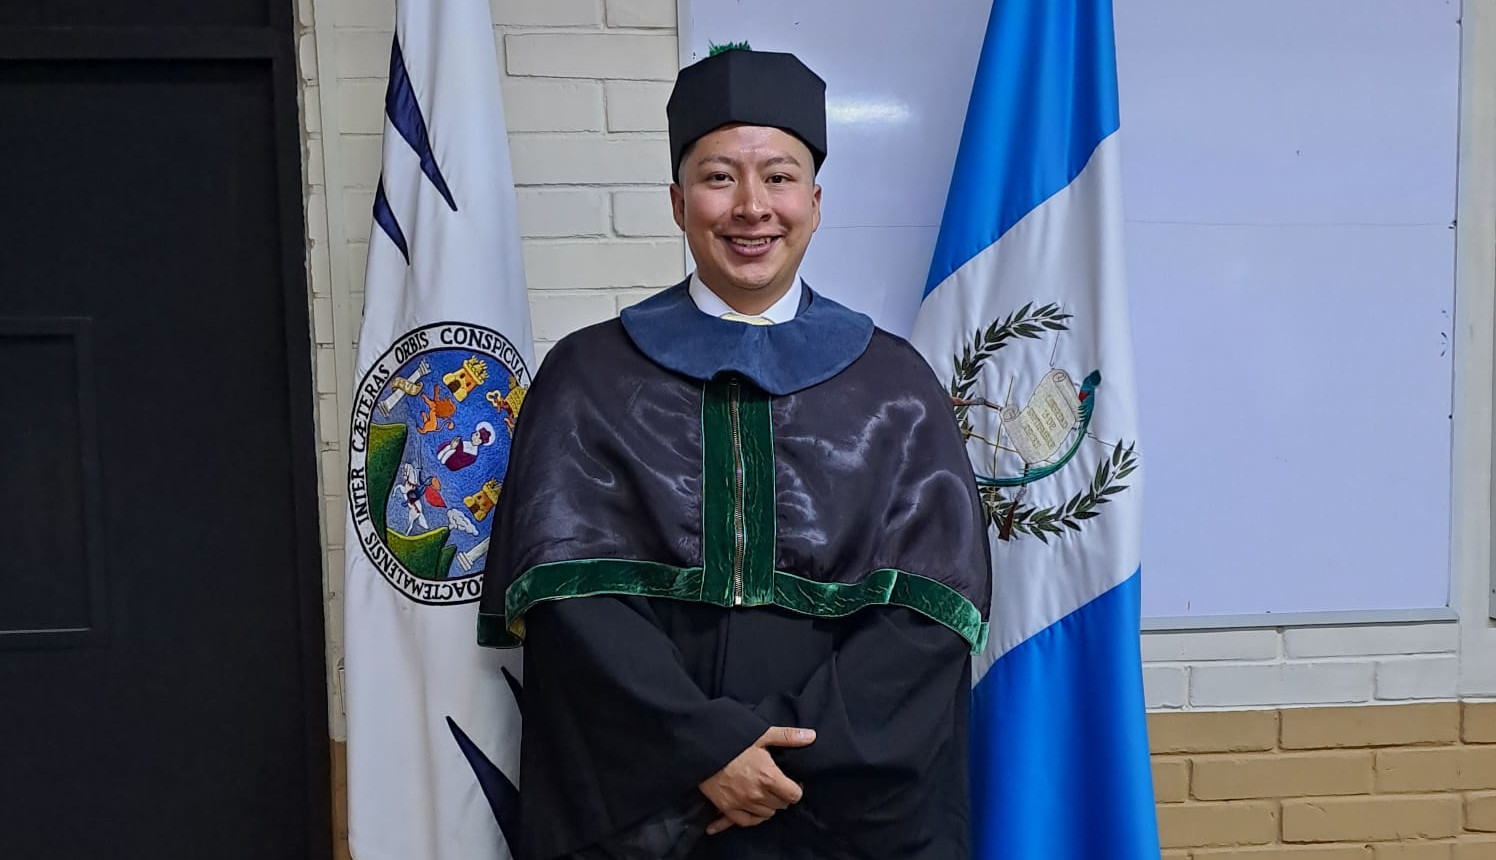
(444, 360)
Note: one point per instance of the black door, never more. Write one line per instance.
(161, 670)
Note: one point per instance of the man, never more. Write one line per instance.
(741, 540)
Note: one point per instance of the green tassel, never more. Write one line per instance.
(715, 49)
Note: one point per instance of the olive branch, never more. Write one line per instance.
(1027, 322)
(1008, 513)
(1013, 516)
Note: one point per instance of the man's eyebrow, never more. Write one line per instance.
(717, 159)
(733, 162)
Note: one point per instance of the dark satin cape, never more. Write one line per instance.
(709, 528)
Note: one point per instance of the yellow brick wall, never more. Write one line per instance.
(1404, 782)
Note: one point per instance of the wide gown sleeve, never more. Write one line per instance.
(628, 734)
(887, 707)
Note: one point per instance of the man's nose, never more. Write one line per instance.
(752, 203)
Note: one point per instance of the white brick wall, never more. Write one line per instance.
(1215, 645)
(546, 13)
(372, 14)
(556, 55)
(641, 13)
(1371, 639)
(1166, 686)
(643, 213)
(1418, 678)
(562, 212)
(637, 106)
(590, 159)
(363, 53)
(1301, 666)
(555, 314)
(362, 106)
(603, 263)
(553, 106)
(585, 84)
(1213, 685)
(360, 158)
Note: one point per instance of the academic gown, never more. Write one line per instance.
(708, 529)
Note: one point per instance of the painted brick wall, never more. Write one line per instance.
(1404, 782)
(1302, 666)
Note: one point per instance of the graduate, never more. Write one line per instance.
(740, 539)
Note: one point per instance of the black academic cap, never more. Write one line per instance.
(749, 87)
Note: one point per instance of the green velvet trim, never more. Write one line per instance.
(934, 600)
(718, 492)
(737, 446)
(756, 431)
(941, 603)
(492, 634)
(594, 576)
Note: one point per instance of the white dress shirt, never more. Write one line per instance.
(711, 304)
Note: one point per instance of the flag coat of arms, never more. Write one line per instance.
(1025, 315)
(444, 361)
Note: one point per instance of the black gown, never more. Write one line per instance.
(693, 553)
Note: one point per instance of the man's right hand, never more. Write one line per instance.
(751, 788)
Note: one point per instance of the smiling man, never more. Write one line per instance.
(740, 539)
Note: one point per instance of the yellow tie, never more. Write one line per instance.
(744, 318)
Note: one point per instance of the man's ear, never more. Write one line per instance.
(678, 205)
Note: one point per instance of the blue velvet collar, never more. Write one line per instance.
(820, 342)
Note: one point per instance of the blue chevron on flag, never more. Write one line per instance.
(444, 360)
(1025, 313)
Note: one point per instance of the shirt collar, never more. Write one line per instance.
(712, 305)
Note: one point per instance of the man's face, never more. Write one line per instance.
(748, 203)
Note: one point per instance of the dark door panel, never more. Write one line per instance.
(161, 668)
(52, 593)
(135, 13)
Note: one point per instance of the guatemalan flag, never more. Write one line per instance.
(1025, 313)
(444, 361)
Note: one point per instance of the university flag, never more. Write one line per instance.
(444, 360)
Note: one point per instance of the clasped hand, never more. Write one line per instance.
(751, 788)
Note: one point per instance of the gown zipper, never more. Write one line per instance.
(739, 527)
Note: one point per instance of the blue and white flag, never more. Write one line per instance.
(1026, 315)
(444, 360)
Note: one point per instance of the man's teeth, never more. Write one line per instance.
(750, 243)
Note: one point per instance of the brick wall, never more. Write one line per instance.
(1401, 782)
(1328, 665)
